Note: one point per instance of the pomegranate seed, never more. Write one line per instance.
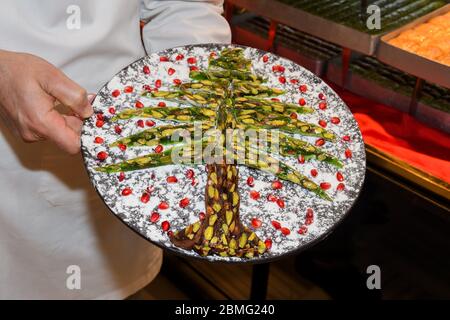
(309, 213)
(191, 60)
(163, 59)
(301, 159)
(159, 148)
(272, 198)
(276, 224)
(278, 68)
(293, 81)
(322, 123)
(251, 181)
(212, 54)
(99, 116)
(201, 215)
(102, 155)
(293, 116)
(194, 182)
(268, 244)
(122, 147)
(275, 99)
(281, 203)
(161, 104)
(301, 101)
(190, 174)
(339, 177)
(115, 93)
(277, 185)
(165, 225)
(177, 82)
(99, 123)
(147, 88)
(254, 195)
(346, 138)
(348, 153)
(140, 123)
(320, 142)
(285, 231)
(118, 129)
(321, 96)
(282, 80)
(265, 59)
(303, 88)
(314, 173)
(121, 176)
(171, 71)
(139, 105)
(340, 187)
(146, 69)
(154, 217)
(163, 205)
(127, 191)
(150, 123)
(112, 110)
(184, 202)
(256, 223)
(128, 89)
(193, 68)
(322, 105)
(308, 221)
(158, 83)
(171, 179)
(170, 233)
(325, 186)
(151, 188)
(179, 57)
(98, 140)
(302, 230)
(145, 197)
(335, 120)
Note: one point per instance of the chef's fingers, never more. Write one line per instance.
(74, 123)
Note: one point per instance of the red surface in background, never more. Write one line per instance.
(400, 135)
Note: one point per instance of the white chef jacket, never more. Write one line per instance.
(53, 226)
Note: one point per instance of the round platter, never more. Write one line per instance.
(157, 202)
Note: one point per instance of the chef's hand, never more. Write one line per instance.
(30, 88)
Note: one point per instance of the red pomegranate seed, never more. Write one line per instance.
(201, 215)
(159, 148)
(348, 153)
(268, 244)
(302, 230)
(309, 213)
(122, 147)
(145, 197)
(255, 195)
(171, 179)
(322, 105)
(281, 203)
(139, 105)
(340, 187)
(285, 231)
(346, 138)
(335, 120)
(163, 59)
(275, 99)
(320, 142)
(99, 123)
(146, 69)
(321, 96)
(115, 93)
(191, 60)
(189, 173)
(128, 89)
(147, 88)
(127, 191)
(314, 172)
(121, 176)
(158, 83)
(161, 104)
(251, 181)
(170, 233)
(177, 82)
(339, 177)
(256, 223)
(265, 59)
(118, 129)
(140, 123)
(303, 88)
(151, 188)
(163, 205)
(194, 182)
(193, 68)
(325, 186)
(102, 155)
(301, 101)
(276, 224)
(308, 221)
(150, 123)
(98, 140)
(179, 57)
(272, 198)
(112, 110)
(99, 116)
(293, 116)
(154, 217)
(277, 185)
(278, 68)
(165, 225)
(301, 159)
(293, 81)
(212, 54)
(171, 71)
(322, 123)
(282, 80)
(184, 202)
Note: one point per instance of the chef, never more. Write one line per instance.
(57, 238)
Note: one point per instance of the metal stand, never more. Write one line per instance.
(260, 281)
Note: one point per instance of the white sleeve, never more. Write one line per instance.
(172, 23)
